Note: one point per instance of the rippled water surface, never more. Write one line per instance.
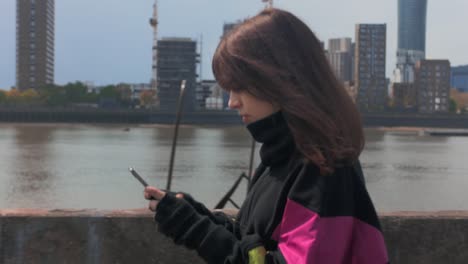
(86, 166)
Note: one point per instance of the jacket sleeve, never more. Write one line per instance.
(322, 222)
(179, 220)
(219, 218)
(305, 237)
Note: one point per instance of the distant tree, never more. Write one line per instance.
(76, 92)
(3, 96)
(390, 102)
(147, 98)
(109, 92)
(109, 97)
(125, 94)
(53, 95)
(453, 106)
(91, 98)
(13, 97)
(29, 97)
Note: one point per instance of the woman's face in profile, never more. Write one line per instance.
(249, 107)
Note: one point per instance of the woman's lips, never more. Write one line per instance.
(245, 118)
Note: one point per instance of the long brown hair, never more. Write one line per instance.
(275, 57)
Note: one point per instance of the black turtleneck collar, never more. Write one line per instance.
(273, 132)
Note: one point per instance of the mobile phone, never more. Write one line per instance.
(138, 177)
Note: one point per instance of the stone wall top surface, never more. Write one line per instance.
(144, 212)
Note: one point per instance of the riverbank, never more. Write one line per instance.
(424, 131)
(215, 118)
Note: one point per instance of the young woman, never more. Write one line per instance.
(307, 201)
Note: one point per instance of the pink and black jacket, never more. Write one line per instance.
(291, 213)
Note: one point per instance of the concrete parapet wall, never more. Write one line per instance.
(426, 237)
(91, 237)
(130, 236)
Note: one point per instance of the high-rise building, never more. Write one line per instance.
(412, 24)
(204, 91)
(411, 38)
(177, 61)
(322, 44)
(34, 43)
(369, 70)
(351, 89)
(404, 96)
(340, 56)
(339, 44)
(459, 78)
(211, 93)
(433, 85)
(227, 27)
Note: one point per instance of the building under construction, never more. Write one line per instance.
(177, 61)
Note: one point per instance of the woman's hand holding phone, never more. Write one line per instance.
(151, 193)
(154, 195)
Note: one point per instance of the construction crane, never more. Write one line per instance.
(154, 23)
(269, 3)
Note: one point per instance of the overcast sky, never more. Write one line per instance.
(108, 41)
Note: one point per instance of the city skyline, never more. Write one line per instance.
(114, 45)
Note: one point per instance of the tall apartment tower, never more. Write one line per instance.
(433, 85)
(177, 61)
(34, 43)
(340, 55)
(370, 66)
(411, 38)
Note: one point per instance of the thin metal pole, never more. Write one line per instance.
(252, 156)
(176, 133)
(227, 197)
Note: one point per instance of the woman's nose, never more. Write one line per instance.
(233, 102)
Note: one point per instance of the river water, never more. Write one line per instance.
(70, 166)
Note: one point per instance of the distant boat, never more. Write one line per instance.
(126, 129)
